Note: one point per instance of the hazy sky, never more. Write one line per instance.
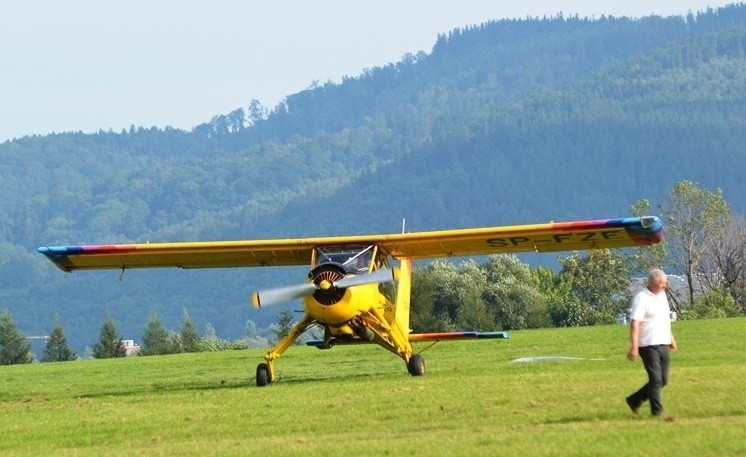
(90, 65)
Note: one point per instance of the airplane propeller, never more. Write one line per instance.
(284, 294)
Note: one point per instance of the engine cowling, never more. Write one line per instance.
(324, 276)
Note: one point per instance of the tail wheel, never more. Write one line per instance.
(416, 365)
(262, 375)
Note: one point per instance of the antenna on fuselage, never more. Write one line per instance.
(403, 224)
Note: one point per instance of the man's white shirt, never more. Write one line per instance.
(652, 312)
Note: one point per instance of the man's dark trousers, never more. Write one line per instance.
(656, 361)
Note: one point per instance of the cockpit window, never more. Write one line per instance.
(355, 259)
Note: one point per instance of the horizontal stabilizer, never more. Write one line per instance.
(418, 337)
(447, 336)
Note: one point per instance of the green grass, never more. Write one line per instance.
(359, 400)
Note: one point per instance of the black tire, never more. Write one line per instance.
(262, 375)
(416, 365)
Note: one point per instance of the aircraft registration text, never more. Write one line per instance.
(561, 238)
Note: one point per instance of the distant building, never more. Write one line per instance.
(131, 347)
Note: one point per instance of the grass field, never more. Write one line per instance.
(359, 400)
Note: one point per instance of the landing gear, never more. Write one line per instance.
(416, 365)
(262, 375)
(265, 372)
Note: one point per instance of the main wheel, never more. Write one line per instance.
(416, 365)
(262, 375)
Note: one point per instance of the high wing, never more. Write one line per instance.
(547, 237)
(552, 236)
(198, 254)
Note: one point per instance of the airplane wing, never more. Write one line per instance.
(560, 236)
(198, 254)
(552, 236)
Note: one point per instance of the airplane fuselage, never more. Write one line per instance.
(342, 311)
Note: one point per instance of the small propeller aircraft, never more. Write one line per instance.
(353, 289)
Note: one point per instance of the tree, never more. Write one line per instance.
(109, 344)
(564, 307)
(601, 282)
(501, 293)
(256, 112)
(511, 294)
(155, 338)
(285, 322)
(471, 309)
(694, 218)
(255, 336)
(210, 341)
(644, 259)
(724, 266)
(14, 349)
(57, 349)
(433, 301)
(715, 303)
(236, 120)
(190, 339)
(446, 297)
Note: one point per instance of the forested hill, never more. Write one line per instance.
(512, 121)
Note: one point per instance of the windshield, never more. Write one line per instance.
(355, 258)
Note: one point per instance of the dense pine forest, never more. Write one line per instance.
(507, 122)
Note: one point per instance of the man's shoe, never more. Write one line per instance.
(634, 408)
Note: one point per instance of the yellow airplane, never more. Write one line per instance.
(353, 289)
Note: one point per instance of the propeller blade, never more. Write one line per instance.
(377, 277)
(279, 295)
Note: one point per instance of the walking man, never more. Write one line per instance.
(651, 338)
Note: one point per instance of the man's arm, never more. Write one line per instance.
(634, 334)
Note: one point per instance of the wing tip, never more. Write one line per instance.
(58, 256)
(645, 230)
